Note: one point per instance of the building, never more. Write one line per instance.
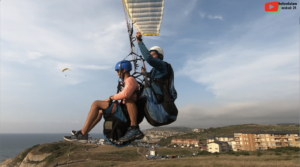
(197, 130)
(211, 139)
(101, 141)
(152, 153)
(203, 148)
(232, 145)
(263, 140)
(185, 142)
(153, 141)
(217, 147)
(146, 138)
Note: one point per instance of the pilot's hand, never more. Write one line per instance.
(139, 36)
(143, 70)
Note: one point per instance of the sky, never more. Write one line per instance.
(234, 62)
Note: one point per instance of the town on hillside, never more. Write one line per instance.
(244, 141)
(238, 141)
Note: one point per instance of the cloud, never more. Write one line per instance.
(61, 66)
(212, 42)
(204, 15)
(215, 17)
(266, 112)
(34, 55)
(256, 65)
(39, 39)
(94, 67)
(189, 7)
(61, 37)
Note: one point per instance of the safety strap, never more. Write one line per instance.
(147, 84)
(114, 108)
(160, 80)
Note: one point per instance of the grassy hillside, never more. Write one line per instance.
(175, 129)
(104, 156)
(78, 153)
(19, 158)
(91, 155)
(229, 131)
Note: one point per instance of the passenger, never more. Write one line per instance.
(129, 96)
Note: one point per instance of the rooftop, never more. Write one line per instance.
(210, 137)
(218, 142)
(269, 132)
(213, 137)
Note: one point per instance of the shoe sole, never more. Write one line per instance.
(140, 136)
(67, 139)
(133, 138)
(82, 141)
(75, 140)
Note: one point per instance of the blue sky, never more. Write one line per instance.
(234, 63)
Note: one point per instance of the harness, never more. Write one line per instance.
(163, 83)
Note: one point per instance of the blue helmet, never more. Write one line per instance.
(125, 65)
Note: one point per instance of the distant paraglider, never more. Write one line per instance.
(65, 70)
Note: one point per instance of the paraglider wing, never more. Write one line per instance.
(66, 69)
(146, 15)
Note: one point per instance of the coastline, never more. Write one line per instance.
(12, 144)
(6, 162)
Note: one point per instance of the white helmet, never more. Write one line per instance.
(159, 50)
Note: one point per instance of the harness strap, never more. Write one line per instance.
(114, 108)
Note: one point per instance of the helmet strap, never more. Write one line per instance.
(160, 56)
(123, 74)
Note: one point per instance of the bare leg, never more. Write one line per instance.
(97, 120)
(93, 115)
(132, 109)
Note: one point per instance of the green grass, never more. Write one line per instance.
(59, 149)
(174, 151)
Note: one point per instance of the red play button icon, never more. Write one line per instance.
(272, 6)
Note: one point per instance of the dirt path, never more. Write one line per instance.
(137, 150)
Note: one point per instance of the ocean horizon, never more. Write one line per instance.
(12, 144)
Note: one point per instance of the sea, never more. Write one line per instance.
(12, 145)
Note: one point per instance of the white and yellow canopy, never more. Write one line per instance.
(146, 15)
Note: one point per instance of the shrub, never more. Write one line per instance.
(277, 153)
(204, 153)
(259, 154)
(244, 153)
(285, 149)
(50, 148)
(230, 153)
